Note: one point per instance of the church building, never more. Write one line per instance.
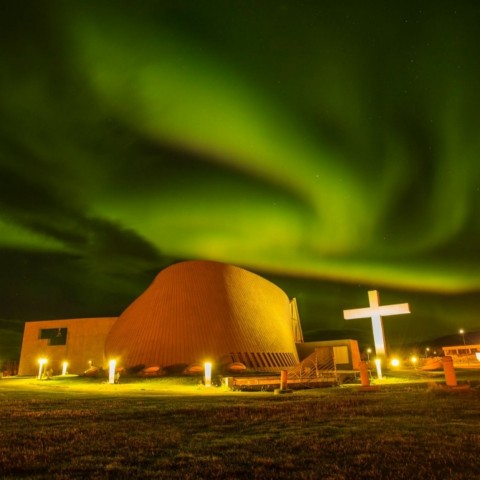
(193, 312)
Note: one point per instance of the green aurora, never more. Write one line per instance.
(330, 148)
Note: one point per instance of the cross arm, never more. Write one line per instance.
(383, 311)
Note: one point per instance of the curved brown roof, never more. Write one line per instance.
(197, 311)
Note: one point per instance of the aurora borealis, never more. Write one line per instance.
(331, 148)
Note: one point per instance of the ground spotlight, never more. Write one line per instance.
(112, 365)
(41, 363)
(395, 362)
(378, 364)
(208, 374)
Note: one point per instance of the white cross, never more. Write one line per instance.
(375, 312)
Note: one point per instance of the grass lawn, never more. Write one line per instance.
(165, 428)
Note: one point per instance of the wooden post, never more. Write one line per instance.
(450, 376)
(363, 367)
(283, 384)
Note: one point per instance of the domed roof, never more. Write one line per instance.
(198, 310)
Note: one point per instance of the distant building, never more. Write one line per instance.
(464, 356)
(192, 312)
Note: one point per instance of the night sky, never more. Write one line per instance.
(332, 147)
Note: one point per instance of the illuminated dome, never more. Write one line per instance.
(197, 311)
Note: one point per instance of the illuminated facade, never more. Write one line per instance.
(80, 342)
(192, 312)
(198, 311)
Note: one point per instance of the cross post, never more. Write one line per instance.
(375, 312)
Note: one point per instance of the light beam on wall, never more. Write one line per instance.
(41, 363)
(112, 364)
(208, 374)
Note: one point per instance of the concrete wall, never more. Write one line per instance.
(347, 353)
(85, 342)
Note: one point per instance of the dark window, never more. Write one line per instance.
(259, 359)
(266, 359)
(248, 361)
(278, 363)
(55, 336)
(272, 360)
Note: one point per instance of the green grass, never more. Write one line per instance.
(82, 428)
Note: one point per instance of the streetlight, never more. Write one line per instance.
(462, 333)
(414, 361)
(369, 351)
(426, 351)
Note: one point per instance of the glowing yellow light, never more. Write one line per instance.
(208, 374)
(477, 354)
(414, 360)
(112, 365)
(64, 368)
(378, 364)
(395, 362)
(41, 363)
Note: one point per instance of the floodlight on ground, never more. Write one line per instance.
(413, 360)
(208, 374)
(64, 368)
(477, 354)
(112, 366)
(41, 363)
(378, 364)
(395, 362)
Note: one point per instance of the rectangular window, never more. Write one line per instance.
(55, 336)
